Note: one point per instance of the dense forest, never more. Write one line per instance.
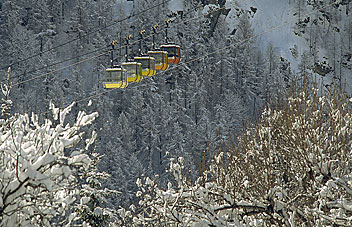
(54, 53)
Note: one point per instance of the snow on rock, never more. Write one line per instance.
(272, 25)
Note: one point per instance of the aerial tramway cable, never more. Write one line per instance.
(72, 58)
(89, 33)
(182, 64)
(60, 62)
(96, 56)
(192, 60)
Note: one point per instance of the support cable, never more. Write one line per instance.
(192, 60)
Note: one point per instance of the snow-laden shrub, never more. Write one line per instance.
(41, 182)
(37, 180)
(296, 162)
(181, 204)
(293, 168)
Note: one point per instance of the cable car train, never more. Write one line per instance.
(142, 65)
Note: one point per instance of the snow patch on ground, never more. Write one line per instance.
(125, 6)
(176, 5)
(272, 22)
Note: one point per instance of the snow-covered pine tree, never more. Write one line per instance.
(24, 44)
(122, 162)
(91, 207)
(149, 155)
(135, 115)
(275, 75)
(8, 20)
(249, 82)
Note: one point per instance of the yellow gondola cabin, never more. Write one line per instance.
(134, 71)
(148, 65)
(161, 59)
(115, 78)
